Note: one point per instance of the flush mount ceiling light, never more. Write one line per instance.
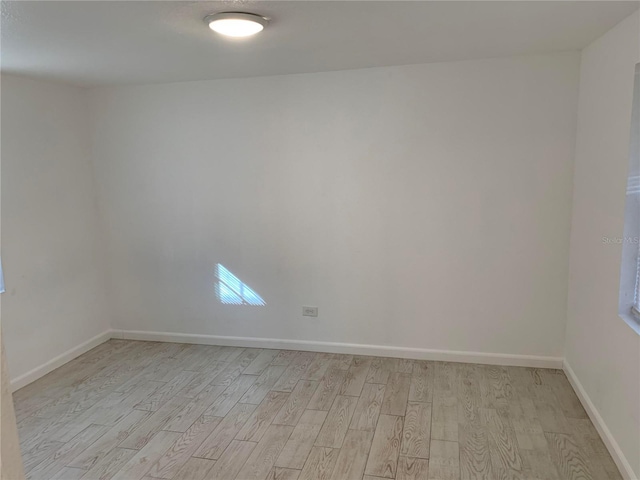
(236, 24)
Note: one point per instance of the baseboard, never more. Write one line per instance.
(610, 442)
(42, 370)
(348, 348)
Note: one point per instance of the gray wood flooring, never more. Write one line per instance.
(131, 410)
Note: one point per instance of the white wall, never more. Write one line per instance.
(54, 276)
(422, 206)
(603, 351)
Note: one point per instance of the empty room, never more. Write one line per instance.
(320, 240)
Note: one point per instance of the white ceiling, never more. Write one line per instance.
(102, 42)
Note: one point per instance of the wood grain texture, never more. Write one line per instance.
(568, 457)
(421, 389)
(193, 409)
(444, 423)
(396, 394)
(380, 370)
(231, 461)
(412, 469)
(475, 458)
(278, 473)
(160, 411)
(444, 461)
(216, 443)
(353, 455)
(300, 443)
(337, 422)
(261, 362)
(110, 464)
(143, 433)
(138, 466)
(503, 447)
(97, 450)
(298, 366)
(368, 407)
(233, 393)
(326, 392)
(57, 460)
(194, 469)
(383, 457)
(356, 376)
(261, 418)
(263, 384)
(263, 457)
(417, 430)
(294, 407)
(168, 465)
(319, 464)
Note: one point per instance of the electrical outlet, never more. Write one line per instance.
(309, 311)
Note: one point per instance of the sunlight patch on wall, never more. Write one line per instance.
(231, 291)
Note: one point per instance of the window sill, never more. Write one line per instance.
(631, 320)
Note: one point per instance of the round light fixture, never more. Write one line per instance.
(236, 24)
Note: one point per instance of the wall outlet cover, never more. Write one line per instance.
(309, 311)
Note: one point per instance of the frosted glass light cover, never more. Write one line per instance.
(236, 24)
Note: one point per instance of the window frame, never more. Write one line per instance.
(629, 300)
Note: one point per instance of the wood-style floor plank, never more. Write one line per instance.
(368, 407)
(385, 449)
(231, 460)
(568, 457)
(263, 457)
(261, 418)
(97, 450)
(233, 393)
(396, 394)
(298, 366)
(356, 376)
(294, 407)
(421, 389)
(444, 423)
(353, 455)
(60, 458)
(444, 461)
(297, 449)
(337, 422)
(326, 392)
(138, 466)
(412, 468)
(319, 464)
(278, 473)
(184, 447)
(503, 447)
(147, 429)
(218, 441)
(194, 408)
(194, 469)
(263, 384)
(417, 431)
(380, 370)
(110, 464)
(262, 361)
(474, 455)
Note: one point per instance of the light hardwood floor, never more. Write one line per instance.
(131, 410)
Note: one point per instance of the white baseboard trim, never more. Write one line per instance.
(610, 442)
(42, 370)
(348, 348)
